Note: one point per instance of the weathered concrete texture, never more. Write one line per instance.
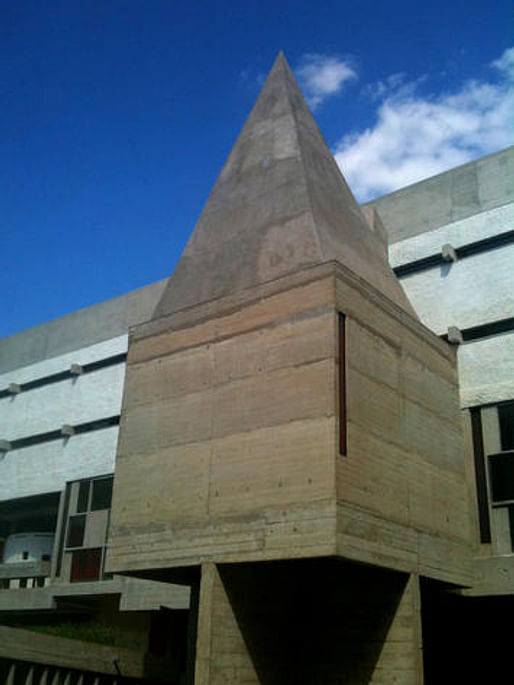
(63, 362)
(310, 622)
(80, 329)
(133, 595)
(228, 451)
(48, 466)
(31, 646)
(227, 438)
(402, 494)
(486, 370)
(280, 204)
(492, 222)
(488, 275)
(454, 195)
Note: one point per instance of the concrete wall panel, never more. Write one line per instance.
(92, 396)
(47, 467)
(441, 295)
(486, 370)
(457, 233)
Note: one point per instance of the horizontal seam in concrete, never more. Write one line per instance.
(217, 338)
(245, 299)
(147, 452)
(230, 381)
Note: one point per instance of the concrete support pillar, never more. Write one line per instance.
(310, 622)
(218, 636)
(400, 660)
(29, 680)
(11, 675)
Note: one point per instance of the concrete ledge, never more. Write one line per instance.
(493, 576)
(25, 569)
(28, 645)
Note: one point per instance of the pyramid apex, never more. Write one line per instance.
(280, 204)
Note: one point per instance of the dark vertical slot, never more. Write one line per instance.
(480, 476)
(342, 384)
(83, 496)
(506, 420)
(64, 519)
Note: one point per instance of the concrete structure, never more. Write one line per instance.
(300, 493)
(55, 490)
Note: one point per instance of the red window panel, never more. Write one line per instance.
(85, 565)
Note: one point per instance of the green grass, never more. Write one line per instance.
(89, 631)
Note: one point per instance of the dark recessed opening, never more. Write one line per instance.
(76, 528)
(502, 476)
(102, 494)
(506, 419)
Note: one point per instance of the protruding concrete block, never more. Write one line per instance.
(455, 335)
(67, 430)
(5, 445)
(76, 369)
(448, 253)
(14, 388)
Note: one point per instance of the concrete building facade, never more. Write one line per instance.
(289, 462)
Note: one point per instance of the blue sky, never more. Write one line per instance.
(117, 115)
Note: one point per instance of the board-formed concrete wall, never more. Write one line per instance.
(227, 434)
(228, 448)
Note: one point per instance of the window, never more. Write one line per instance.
(502, 477)
(76, 529)
(85, 565)
(102, 494)
(83, 496)
(87, 516)
(506, 420)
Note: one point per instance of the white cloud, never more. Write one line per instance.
(416, 137)
(322, 76)
(379, 89)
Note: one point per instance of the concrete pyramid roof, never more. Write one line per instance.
(279, 204)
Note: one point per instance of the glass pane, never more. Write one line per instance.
(76, 528)
(502, 477)
(83, 497)
(102, 494)
(506, 419)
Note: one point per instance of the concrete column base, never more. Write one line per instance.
(308, 622)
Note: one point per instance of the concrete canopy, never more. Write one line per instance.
(280, 204)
